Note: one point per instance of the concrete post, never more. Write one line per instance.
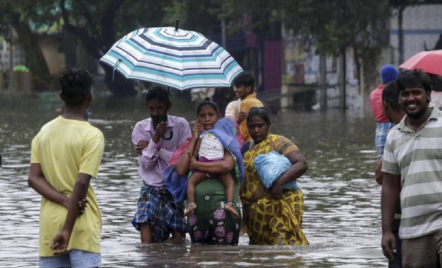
(323, 81)
(343, 81)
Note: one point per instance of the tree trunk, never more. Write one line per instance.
(35, 59)
(69, 49)
(97, 45)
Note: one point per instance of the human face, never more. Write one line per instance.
(207, 117)
(242, 91)
(158, 110)
(414, 101)
(258, 128)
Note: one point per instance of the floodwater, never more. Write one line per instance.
(342, 200)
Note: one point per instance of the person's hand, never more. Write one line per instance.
(141, 145)
(60, 242)
(388, 245)
(81, 204)
(159, 131)
(277, 191)
(241, 117)
(197, 129)
(192, 161)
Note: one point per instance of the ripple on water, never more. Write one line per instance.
(341, 218)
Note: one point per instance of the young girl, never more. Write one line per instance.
(209, 149)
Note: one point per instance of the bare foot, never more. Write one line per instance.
(191, 207)
(231, 209)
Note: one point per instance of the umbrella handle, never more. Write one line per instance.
(171, 136)
(115, 67)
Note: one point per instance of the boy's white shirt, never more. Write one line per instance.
(232, 109)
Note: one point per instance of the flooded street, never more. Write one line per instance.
(342, 199)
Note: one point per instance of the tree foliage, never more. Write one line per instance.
(99, 24)
(334, 25)
(18, 14)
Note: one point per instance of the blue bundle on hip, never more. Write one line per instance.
(270, 167)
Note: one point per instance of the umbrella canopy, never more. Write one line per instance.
(176, 58)
(428, 61)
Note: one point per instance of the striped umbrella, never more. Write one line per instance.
(172, 57)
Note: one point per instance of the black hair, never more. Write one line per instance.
(262, 112)
(75, 85)
(390, 95)
(158, 92)
(246, 79)
(206, 102)
(413, 78)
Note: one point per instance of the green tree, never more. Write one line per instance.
(18, 14)
(336, 25)
(332, 25)
(98, 25)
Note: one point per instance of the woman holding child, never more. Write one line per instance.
(271, 216)
(213, 211)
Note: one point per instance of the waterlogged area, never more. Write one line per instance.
(342, 200)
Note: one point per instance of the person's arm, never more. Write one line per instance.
(183, 133)
(197, 148)
(243, 110)
(241, 117)
(88, 168)
(38, 182)
(150, 155)
(231, 110)
(298, 168)
(391, 189)
(145, 146)
(379, 174)
(223, 166)
(182, 165)
(61, 240)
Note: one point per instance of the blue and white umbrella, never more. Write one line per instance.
(176, 58)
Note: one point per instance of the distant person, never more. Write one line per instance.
(222, 97)
(412, 173)
(65, 155)
(436, 92)
(232, 109)
(209, 149)
(244, 87)
(388, 74)
(156, 139)
(394, 113)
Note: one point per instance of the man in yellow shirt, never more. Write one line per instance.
(244, 87)
(65, 155)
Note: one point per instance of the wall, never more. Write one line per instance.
(422, 25)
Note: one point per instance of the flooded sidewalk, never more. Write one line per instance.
(342, 200)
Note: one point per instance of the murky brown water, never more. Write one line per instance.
(342, 200)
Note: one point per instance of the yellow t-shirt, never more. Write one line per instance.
(249, 102)
(64, 148)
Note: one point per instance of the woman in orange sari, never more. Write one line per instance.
(271, 216)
